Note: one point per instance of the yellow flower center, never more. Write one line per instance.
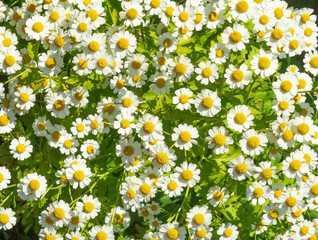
(227, 232)
(295, 165)
(136, 64)
(264, 19)
(132, 14)
(172, 233)
(187, 175)
(278, 193)
(242, 6)
(169, 11)
(130, 194)
(162, 61)
(273, 213)
(4, 120)
(155, 3)
(101, 235)
(297, 214)
(286, 86)
(183, 16)
(283, 105)
(118, 218)
(82, 64)
(279, 13)
(38, 27)
(305, 18)
(80, 127)
(304, 230)
(75, 221)
(4, 218)
(49, 237)
(180, 69)
(125, 123)
(213, 16)
(303, 128)
(24, 97)
(79, 175)
(56, 136)
(120, 84)
(241, 168)
(128, 150)
(264, 63)
(219, 53)
(206, 72)
(308, 32)
(185, 136)
(201, 233)
(294, 44)
(79, 96)
(267, 173)
(288, 135)
(162, 158)
(145, 189)
(307, 157)
(219, 140)
(50, 62)
(183, 98)
(9, 60)
(258, 192)
(207, 102)
(90, 149)
(1, 177)
(167, 43)
(92, 14)
(261, 34)
(218, 196)
(198, 18)
(161, 82)
(59, 213)
(93, 46)
(54, 16)
(237, 75)
(126, 102)
(63, 178)
(314, 190)
(235, 37)
(253, 142)
(149, 127)
(134, 163)
(34, 185)
(68, 144)
(31, 7)
(20, 148)
(282, 126)
(136, 78)
(172, 185)
(88, 207)
(7, 42)
(82, 27)
(277, 34)
(49, 221)
(314, 62)
(301, 83)
(17, 16)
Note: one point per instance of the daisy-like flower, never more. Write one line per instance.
(130, 198)
(7, 218)
(32, 187)
(162, 61)
(7, 121)
(74, 235)
(304, 82)
(121, 219)
(214, 17)
(89, 205)
(252, 142)
(123, 44)
(167, 43)
(275, 193)
(128, 102)
(172, 231)
(79, 97)
(162, 157)
(24, 98)
(50, 63)
(311, 62)
(83, 64)
(310, 155)
(21, 148)
(238, 77)
(219, 53)
(208, 103)
(60, 213)
(279, 36)
(183, 17)
(207, 72)
(241, 168)
(264, 20)
(117, 83)
(285, 86)
(10, 61)
(55, 132)
(68, 144)
(303, 128)
(240, 118)
(183, 99)
(184, 135)
(295, 166)
(149, 127)
(79, 175)
(217, 195)
(182, 69)
(235, 38)
(188, 174)
(95, 124)
(264, 64)
(283, 106)
(162, 83)
(272, 214)
(37, 27)
(227, 232)
(58, 104)
(305, 16)
(147, 189)
(5, 177)
(304, 230)
(199, 217)
(90, 149)
(265, 172)
(80, 128)
(49, 233)
(101, 232)
(258, 193)
(242, 9)
(124, 124)
(219, 140)
(170, 185)
(132, 14)
(128, 150)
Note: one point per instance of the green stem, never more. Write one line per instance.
(11, 79)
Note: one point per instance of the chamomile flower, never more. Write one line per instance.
(272, 214)
(311, 62)
(89, 205)
(79, 175)
(123, 124)
(58, 104)
(219, 53)
(283, 106)
(7, 218)
(214, 17)
(79, 97)
(265, 172)
(7, 121)
(130, 198)
(21, 148)
(252, 142)
(68, 144)
(167, 43)
(217, 195)
(227, 232)
(32, 187)
(121, 219)
(238, 77)
(172, 231)
(149, 127)
(280, 10)
(275, 193)
(60, 213)
(182, 69)
(83, 64)
(258, 193)
(240, 118)
(5, 177)
(170, 186)
(161, 83)
(303, 230)
(183, 17)
(94, 44)
(219, 140)
(101, 232)
(123, 44)
(207, 72)
(10, 61)
(309, 155)
(235, 38)
(132, 14)
(183, 99)
(264, 20)
(305, 16)
(264, 64)
(185, 135)
(128, 102)
(24, 98)
(128, 150)
(90, 149)
(199, 217)
(74, 235)
(208, 103)
(50, 63)
(147, 190)
(37, 27)
(294, 166)
(188, 174)
(241, 168)
(285, 86)
(162, 157)
(95, 124)
(162, 61)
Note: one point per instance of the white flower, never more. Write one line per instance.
(90, 149)
(149, 127)
(265, 172)
(162, 157)
(228, 232)
(101, 232)
(264, 64)
(79, 175)
(207, 72)
(170, 185)
(32, 187)
(199, 217)
(182, 68)
(235, 38)
(60, 213)
(241, 168)
(128, 150)
(188, 174)
(172, 230)
(89, 205)
(240, 118)
(258, 193)
(7, 218)
(133, 13)
(58, 104)
(7, 120)
(238, 77)
(219, 140)
(24, 98)
(21, 148)
(219, 53)
(252, 142)
(37, 27)
(10, 61)
(208, 103)
(216, 195)
(185, 135)
(183, 99)
(123, 44)
(294, 166)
